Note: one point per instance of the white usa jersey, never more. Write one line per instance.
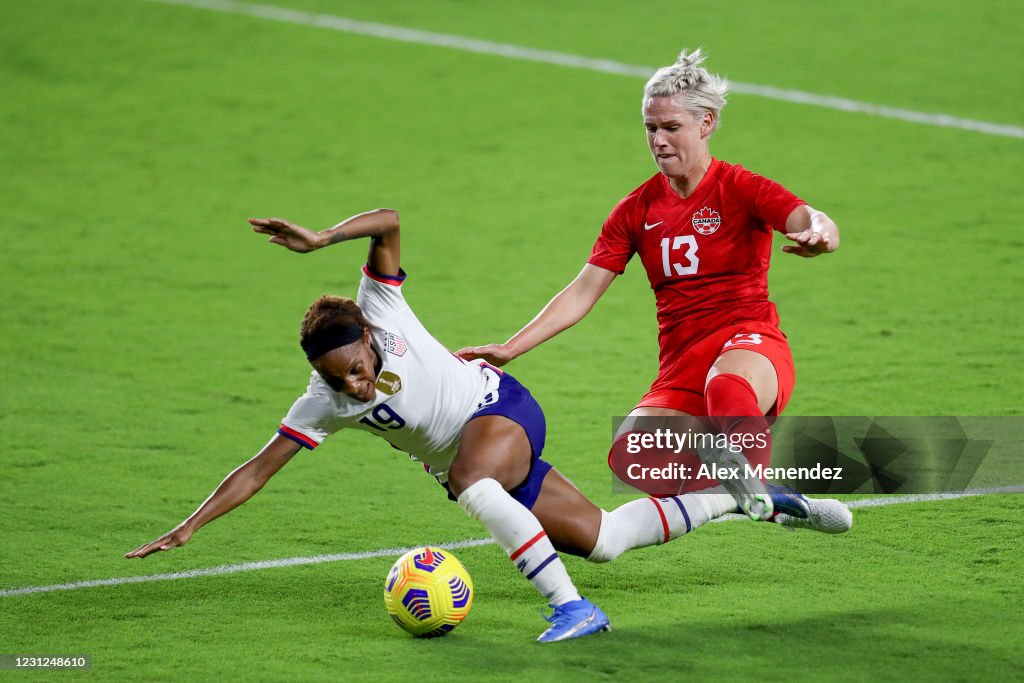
(425, 394)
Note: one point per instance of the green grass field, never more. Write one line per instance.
(149, 338)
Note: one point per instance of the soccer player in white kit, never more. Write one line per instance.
(474, 427)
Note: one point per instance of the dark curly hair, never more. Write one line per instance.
(330, 311)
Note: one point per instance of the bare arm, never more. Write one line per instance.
(812, 230)
(563, 311)
(380, 225)
(238, 487)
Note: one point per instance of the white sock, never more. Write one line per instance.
(652, 521)
(712, 503)
(522, 538)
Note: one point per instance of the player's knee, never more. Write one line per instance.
(465, 472)
(740, 393)
(607, 547)
(477, 496)
(460, 479)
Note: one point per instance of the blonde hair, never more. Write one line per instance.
(697, 90)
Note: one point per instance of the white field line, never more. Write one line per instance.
(408, 35)
(235, 568)
(395, 552)
(928, 497)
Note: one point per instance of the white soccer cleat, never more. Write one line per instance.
(827, 516)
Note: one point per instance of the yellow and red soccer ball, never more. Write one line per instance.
(428, 592)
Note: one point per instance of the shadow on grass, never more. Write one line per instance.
(886, 643)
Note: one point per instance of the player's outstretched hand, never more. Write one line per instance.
(172, 539)
(289, 235)
(809, 243)
(495, 354)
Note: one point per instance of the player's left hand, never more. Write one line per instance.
(288, 235)
(809, 243)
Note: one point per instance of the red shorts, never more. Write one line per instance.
(680, 384)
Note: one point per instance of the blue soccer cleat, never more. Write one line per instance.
(574, 619)
(788, 502)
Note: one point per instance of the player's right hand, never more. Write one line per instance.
(172, 539)
(288, 235)
(809, 243)
(495, 354)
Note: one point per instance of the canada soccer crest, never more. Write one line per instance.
(706, 221)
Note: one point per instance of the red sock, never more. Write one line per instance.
(731, 405)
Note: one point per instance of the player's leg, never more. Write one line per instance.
(571, 521)
(758, 373)
(751, 376)
(743, 386)
(577, 526)
(494, 447)
(671, 413)
(495, 456)
(652, 417)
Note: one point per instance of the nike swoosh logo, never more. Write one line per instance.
(652, 225)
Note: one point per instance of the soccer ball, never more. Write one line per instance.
(428, 592)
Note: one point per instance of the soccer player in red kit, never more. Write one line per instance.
(703, 231)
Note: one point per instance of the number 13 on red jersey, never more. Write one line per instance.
(670, 245)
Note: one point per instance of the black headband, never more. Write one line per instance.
(328, 339)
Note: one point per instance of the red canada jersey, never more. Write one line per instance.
(706, 256)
